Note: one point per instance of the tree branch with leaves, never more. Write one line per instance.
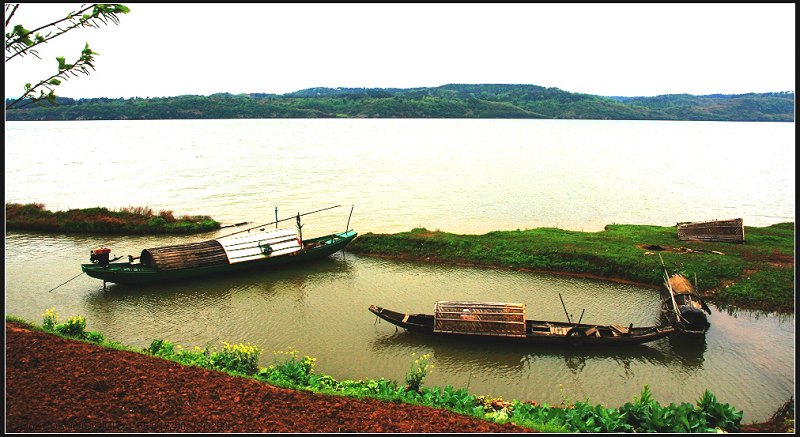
(21, 42)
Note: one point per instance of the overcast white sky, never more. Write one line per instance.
(603, 49)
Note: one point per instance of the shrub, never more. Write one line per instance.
(75, 327)
(166, 215)
(49, 319)
(294, 370)
(419, 370)
(161, 348)
(94, 337)
(240, 357)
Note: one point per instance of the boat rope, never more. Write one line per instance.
(65, 282)
(281, 220)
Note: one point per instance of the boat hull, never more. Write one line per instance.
(726, 231)
(127, 273)
(537, 332)
(690, 317)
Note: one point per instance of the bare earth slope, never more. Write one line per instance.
(58, 385)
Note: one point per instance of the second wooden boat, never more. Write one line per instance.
(507, 321)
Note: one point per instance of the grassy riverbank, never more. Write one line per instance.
(290, 370)
(757, 274)
(133, 220)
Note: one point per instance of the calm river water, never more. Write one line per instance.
(464, 176)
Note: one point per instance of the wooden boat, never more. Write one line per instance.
(254, 248)
(728, 231)
(681, 307)
(507, 321)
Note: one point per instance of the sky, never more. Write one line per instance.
(171, 49)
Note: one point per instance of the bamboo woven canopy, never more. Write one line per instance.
(480, 318)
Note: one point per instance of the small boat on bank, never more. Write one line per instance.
(682, 307)
(254, 248)
(726, 231)
(507, 321)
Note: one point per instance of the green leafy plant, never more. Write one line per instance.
(719, 415)
(49, 319)
(420, 368)
(242, 358)
(293, 369)
(21, 42)
(161, 348)
(74, 327)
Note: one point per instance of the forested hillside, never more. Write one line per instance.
(448, 101)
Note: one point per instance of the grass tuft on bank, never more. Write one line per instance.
(130, 220)
(758, 273)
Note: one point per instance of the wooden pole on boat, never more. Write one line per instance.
(347, 228)
(299, 227)
(581, 317)
(281, 220)
(669, 288)
(565, 308)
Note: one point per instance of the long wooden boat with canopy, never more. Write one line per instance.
(507, 321)
(253, 248)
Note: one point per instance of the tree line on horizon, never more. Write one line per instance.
(447, 101)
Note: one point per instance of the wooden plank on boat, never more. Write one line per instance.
(619, 329)
(249, 247)
(727, 231)
(480, 318)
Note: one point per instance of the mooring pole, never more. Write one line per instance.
(276, 217)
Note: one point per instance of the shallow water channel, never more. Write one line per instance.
(320, 309)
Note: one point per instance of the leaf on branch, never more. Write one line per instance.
(55, 81)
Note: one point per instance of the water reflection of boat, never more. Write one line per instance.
(461, 353)
(681, 307)
(266, 283)
(506, 321)
(689, 351)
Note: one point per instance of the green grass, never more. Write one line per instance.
(756, 274)
(132, 220)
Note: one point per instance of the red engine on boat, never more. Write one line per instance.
(100, 255)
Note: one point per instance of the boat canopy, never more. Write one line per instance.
(480, 318)
(185, 256)
(225, 250)
(680, 284)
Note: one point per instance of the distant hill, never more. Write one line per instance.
(448, 101)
